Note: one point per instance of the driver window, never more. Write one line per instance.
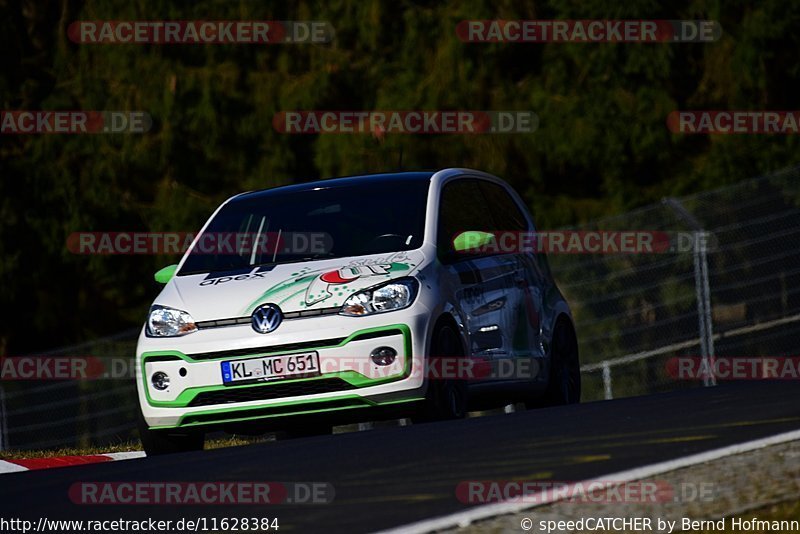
(462, 208)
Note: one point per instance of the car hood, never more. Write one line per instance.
(292, 286)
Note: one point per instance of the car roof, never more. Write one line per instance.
(396, 177)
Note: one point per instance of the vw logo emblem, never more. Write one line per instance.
(266, 318)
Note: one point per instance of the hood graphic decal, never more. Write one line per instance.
(321, 288)
(334, 285)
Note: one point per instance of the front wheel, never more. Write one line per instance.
(564, 384)
(446, 397)
(168, 441)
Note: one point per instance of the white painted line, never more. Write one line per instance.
(466, 517)
(8, 467)
(125, 455)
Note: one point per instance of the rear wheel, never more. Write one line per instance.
(156, 442)
(564, 385)
(446, 397)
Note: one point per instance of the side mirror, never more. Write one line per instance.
(472, 241)
(165, 275)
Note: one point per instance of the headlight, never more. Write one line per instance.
(169, 322)
(388, 297)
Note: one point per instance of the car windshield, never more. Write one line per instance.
(325, 222)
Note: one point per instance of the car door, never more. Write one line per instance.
(523, 315)
(486, 284)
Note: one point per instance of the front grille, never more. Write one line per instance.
(271, 391)
(255, 351)
(222, 322)
(246, 320)
(312, 313)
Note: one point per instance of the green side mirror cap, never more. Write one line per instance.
(472, 240)
(165, 275)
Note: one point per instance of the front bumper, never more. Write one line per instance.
(349, 380)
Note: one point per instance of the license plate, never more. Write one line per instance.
(270, 368)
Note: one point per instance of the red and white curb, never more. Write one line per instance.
(30, 464)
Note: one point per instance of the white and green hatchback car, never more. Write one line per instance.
(354, 299)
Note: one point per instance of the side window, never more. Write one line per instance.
(505, 211)
(461, 208)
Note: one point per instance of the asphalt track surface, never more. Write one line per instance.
(388, 477)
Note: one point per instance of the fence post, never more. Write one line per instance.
(703, 314)
(702, 288)
(607, 380)
(700, 242)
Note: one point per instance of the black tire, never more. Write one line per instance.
(446, 398)
(157, 442)
(564, 384)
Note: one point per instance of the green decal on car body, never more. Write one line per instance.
(281, 292)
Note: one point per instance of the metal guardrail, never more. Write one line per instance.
(606, 366)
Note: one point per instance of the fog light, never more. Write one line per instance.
(383, 355)
(160, 380)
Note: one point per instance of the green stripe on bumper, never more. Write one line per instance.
(284, 409)
(353, 378)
